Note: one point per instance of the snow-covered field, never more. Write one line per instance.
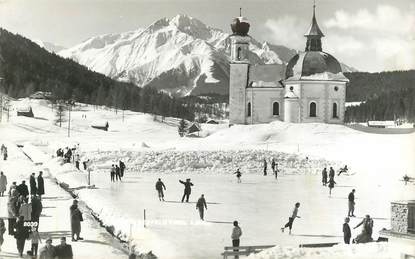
(261, 204)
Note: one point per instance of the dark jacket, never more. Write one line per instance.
(36, 208)
(331, 183)
(351, 197)
(160, 185)
(76, 218)
(63, 251)
(201, 203)
(331, 174)
(346, 230)
(324, 174)
(40, 185)
(187, 186)
(33, 189)
(47, 253)
(20, 231)
(22, 189)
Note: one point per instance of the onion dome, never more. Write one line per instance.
(240, 25)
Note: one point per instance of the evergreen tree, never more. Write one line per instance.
(182, 127)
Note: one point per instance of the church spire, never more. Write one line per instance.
(314, 34)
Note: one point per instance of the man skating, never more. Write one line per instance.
(276, 170)
(187, 189)
(265, 167)
(331, 173)
(159, 187)
(291, 219)
(201, 206)
(351, 204)
(112, 173)
(331, 185)
(238, 175)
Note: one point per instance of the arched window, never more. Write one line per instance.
(313, 109)
(239, 53)
(249, 109)
(335, 110)
(276, 109)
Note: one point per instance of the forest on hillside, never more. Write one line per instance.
(26, 68)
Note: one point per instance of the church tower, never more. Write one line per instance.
(239, 68)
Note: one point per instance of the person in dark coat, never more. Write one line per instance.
(201, 206)
(187, 189)
(112, 173)
(117, 173)
(63, 251)
(331, 185)
(122, 168)
(351, 204)
(33, 189)
(21, 234)
(159, 187)
(22, 189)
(238, 175)
(331, 173)
(347, 233)
(273, 165)
(40, 185)
(76, 218)
(37, 208)
(265, 167)
(324, 176)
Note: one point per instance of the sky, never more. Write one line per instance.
(370, 35)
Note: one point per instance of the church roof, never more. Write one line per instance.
(314, 65)
(314, 29)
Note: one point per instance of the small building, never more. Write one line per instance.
(212, 122)
(401, 236)
(25, 111)
(194, 127)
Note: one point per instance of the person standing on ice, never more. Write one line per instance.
(291, 219)
(276, 170)
(324, 176)
(77, 160)
(32, 181)
(201, 206)
(265, 167)
(347, 234)
(187, 189)
(331, 185)
(351, 204)
(236, 236)
(5, 153)
(331, 173)
(117, 173)
(238, 175)
(112, 173)
(76, 219)
(159, 187)
(3, 184)
(122, 168)
(40, 185)
(273, 164)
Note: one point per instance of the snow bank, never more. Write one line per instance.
(360, 251)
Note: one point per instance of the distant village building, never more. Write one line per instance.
(401, 236)
(194, 127)
(312, 88)
(25, 111)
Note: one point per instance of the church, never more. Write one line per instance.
(311, 89)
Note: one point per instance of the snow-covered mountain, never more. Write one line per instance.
(181, 56)
(49, 46)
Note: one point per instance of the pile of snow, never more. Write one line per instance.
(361, 251)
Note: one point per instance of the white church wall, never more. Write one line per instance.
(237, 92)
(262, 100)
(312, 92)
(339, 97)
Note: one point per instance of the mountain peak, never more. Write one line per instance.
(191, 26)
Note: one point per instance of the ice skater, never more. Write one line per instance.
(159, 187)
(324, 176)
(347, 234)
(273, 164)
(331, 173)
(351, 204)
(265, 167)
(187, 189)
(276, 170)
(367, 230)
(343, 170)
(238, 175)
(201, 206)
(112, 173)
(117, 173)
(331, 185)
(291, 219)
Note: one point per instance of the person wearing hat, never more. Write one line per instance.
(63, 251)
(76, 218)
(48, 251)
(187, 189)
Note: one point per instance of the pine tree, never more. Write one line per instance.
(182, 127)
(60, 114)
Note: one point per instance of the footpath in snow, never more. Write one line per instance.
(55, 220)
